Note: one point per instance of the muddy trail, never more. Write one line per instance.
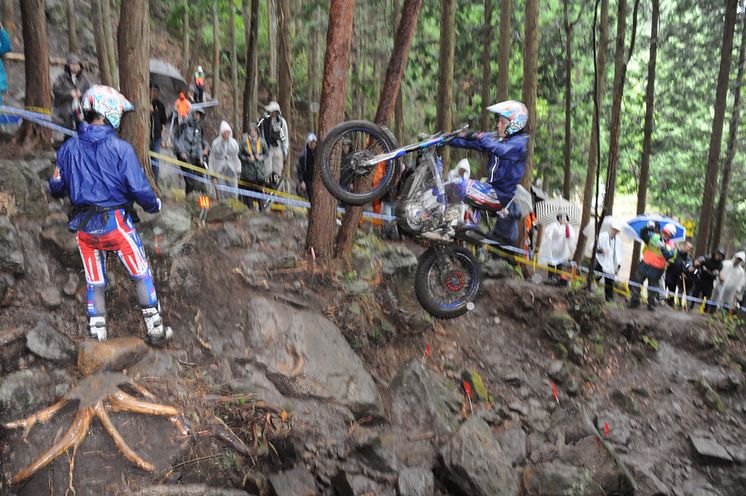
(291, 379)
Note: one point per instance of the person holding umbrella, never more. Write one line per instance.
(609, 255)
(658, 251)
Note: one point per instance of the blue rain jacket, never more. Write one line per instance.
(97, 168)
(508, 161)
(4, 48)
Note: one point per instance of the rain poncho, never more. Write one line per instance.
(609, 251)
(224, 153)
(556, 246)
(731, 281)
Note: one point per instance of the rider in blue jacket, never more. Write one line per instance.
(508, 147)
(103, 178)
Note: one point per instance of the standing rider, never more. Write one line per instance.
(103, 178)
(508, 147)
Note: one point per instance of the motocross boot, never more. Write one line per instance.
(97, 328)
(155, 332)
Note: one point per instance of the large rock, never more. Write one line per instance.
(475, 464)
(293, 482)
(46, 342)
(303, 354)
(560, 479)
(21, 178)
(419, 398)
(11, 250)
(708, 450)
(416, 481)
(359, 485)
(31, 389)
(602, 462)
(61, 242)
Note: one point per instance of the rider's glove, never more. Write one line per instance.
(470, 134)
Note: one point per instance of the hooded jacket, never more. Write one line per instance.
(731, 281)
(556, 247)
(609, 252)
(224, 153)
(97, 168)
(63, 85)
(507, 164)
(191, 142)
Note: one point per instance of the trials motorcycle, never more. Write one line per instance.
(361, 162)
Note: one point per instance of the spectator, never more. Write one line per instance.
(190, 146)
(306, 165)
(676, 271)
(609, 253)
(710, 269)
(253, 154)
(198, 85)
(5, 47)
(224, 159)
(157, 119)
(556, 246)
(462, 169)
(658, 251)
(182, 107)
(274, 128)
(67, 90)
(730, 281)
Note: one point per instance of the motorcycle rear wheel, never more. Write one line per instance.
(447, 281)
(344, 175)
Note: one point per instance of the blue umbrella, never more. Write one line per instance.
(634, 226)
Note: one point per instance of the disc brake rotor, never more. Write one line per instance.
(358, 162)
(455, 280)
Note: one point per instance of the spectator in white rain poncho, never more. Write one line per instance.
(731, 281)
(557, 245)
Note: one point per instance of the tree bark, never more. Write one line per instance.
(100, 39)
(9, 16)
(285, 82)
(443, 114)
(730, 152)
(235, 124)
(647, 138)
(386, 103)
(530, 64)
(503, 75)
(272, 13)
(320, 236)
(620, 74)
(486, 64)
(399, 105)
(590, 177)
(251, 23)
(38, 87)
(185, 55)
(111, 52)
(713, 156)
(215, 52)
(134, 50)
(569, 27)
(72, 27)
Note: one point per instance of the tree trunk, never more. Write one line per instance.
(38, 87)
(313, 71)
(399, 105)
(134, 49)
(285, 83)
(730, 152)
(100, 38)
(530, 63)
(9, 16)
(443, 114)
(185, 55)
(111, 51)
(215, 52)
(590, 177)
(251, 23)
(713, 156)
(72, 27)
(235, 124)
(384, 113)
(647, 138)
(486, 65)
(272, 43)
(320, 236)
(620, 74)
(568, 103)
(503, 76)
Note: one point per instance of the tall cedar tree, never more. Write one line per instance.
(185, 55)
(569, 27)
(647, 138)
(99, 37)
(530, 63)
(486, 64)
(713, 156)
(503, 75)
(251, 23)
(134, 50)
(234, 66)
(285, 82)
(215, 52)
(111, 52)
(620, 73)
(72, 26)
(590, 175)
(730, 152)
(443, 115)
(386, 104)
(320, 236)
(38, 87)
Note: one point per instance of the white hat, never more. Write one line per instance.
(311, 137)
(272, 107)
(199, 68)
(740, 255)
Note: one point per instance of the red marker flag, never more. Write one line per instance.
(426, 353)
(467, 388)
(606, 429)
(554, 393)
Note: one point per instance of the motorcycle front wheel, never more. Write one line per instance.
(447, 281)
(343, 155)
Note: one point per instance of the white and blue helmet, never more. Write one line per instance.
(108, 102)
(515, 112)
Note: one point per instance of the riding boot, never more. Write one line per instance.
(97, 328)
(155, 332)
